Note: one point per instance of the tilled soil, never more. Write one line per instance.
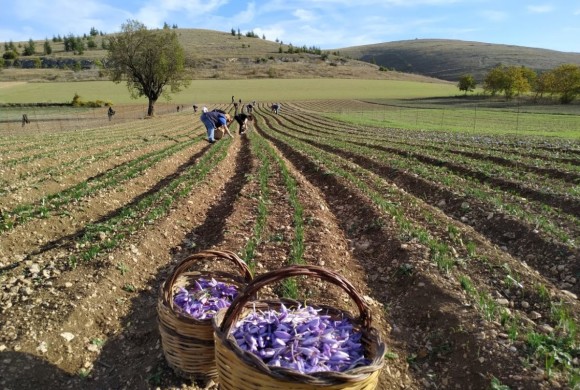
(73, 323)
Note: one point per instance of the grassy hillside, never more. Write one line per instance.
(217, 55)
(450, 59)
(220, 55)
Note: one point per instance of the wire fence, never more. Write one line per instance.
(474, 119)
(58, 118)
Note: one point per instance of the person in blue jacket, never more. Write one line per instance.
(214, 120)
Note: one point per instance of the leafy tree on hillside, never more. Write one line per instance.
(29, 48)
(79, 46)
(11, 47)
(91, 44)
(466, 83)
(233, 32)
(10, 55)
(150, 61)
(47, 47)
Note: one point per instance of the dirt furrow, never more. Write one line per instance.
(105, 309)
(424, 315)
(518, 238)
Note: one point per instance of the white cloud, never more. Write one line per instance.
(304, 15)
(540, 9)
(366, 3)
(494, 16)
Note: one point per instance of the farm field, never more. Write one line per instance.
(220, 91)
(464, 245)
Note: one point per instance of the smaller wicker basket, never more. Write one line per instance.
(188, 343)
(242, 370)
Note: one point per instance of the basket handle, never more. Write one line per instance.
(210, 253)
(240, 301)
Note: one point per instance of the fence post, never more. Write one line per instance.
(518, 117)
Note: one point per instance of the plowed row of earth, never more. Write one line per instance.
(464, 247)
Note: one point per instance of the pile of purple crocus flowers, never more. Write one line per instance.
(301, 339)
(206, 298)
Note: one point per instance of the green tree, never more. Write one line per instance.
(47, 47)
(518, 80)
(29, 48)
(69, 42)
(10, 55)
(566, 78)
(511, 80)
(466, 83)
(233, 32)
(152, 62)
(11, 47)
(544, 84)
(79, 46)
(91, 44)
(94, 32)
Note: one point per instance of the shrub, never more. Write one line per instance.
(10, 55)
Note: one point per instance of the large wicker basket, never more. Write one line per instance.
(241, 370)
(188, 343)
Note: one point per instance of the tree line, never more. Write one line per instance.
(562, 81)
(76, 44)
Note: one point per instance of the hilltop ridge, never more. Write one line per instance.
(221, 55)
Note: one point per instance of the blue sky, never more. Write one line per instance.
(327, 24)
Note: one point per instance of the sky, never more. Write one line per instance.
(325, 24)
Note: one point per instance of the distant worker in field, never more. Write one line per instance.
(275, 108)
(177, 108)
(194, 108)
(25, 120)
(249, 108)
(243, 121)
(110, 112)
(215, 122)
(232, 98)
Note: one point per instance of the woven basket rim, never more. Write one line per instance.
(167, 288)
(222, 323)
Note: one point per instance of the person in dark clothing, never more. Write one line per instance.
(215, 120)
(243, 120)
(25, 120)
(111, 112)
(194, 108)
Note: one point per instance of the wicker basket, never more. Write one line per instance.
(188, 343)
(238, 369)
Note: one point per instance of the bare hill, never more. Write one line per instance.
(450, 59)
